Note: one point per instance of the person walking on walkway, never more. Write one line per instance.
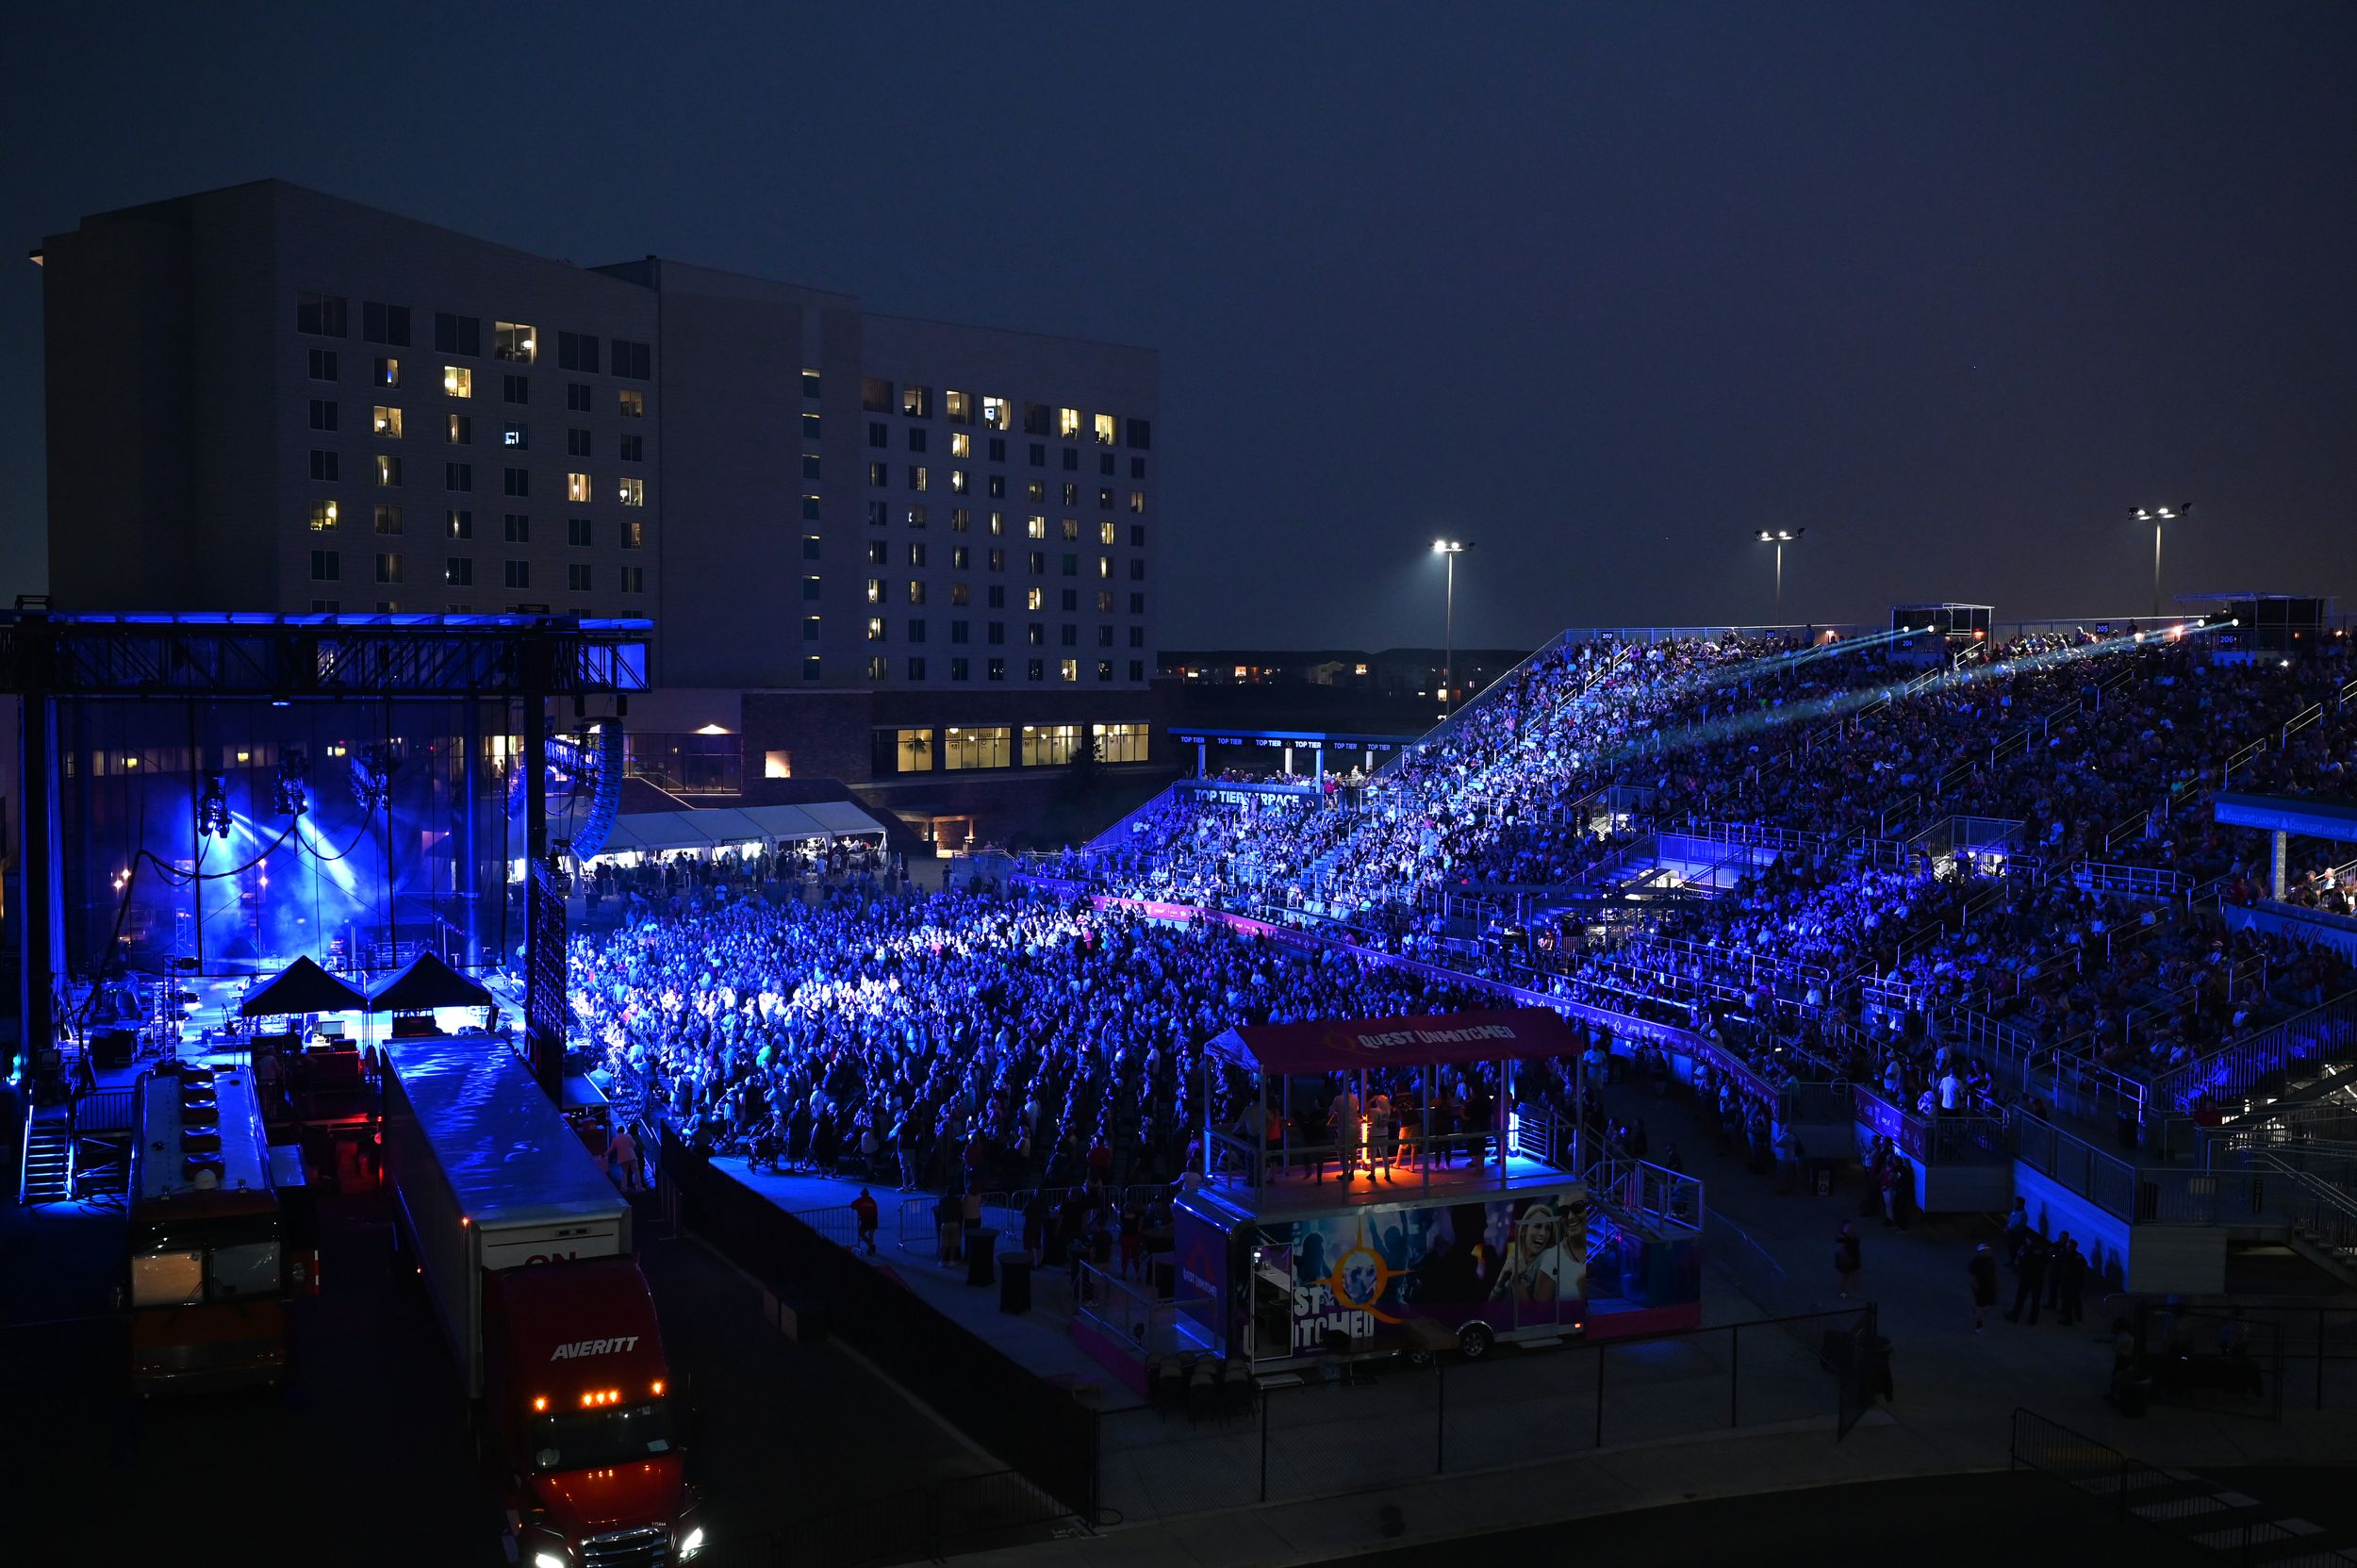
(2017, 1230)
(1982, 1268)
(2031, 1269)
(864, 1211)
(621, 1160)
(1848, 1259)
(2070, 1270)
(2062, 1247)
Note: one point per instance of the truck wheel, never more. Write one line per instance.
(1475, 1339)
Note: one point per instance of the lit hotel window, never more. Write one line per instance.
(388, 373)
(513, 340)
(1068, 423)
(388, 472)
(387, 423)
(577, 486)
(323, 516)
(1035, 597)
(961, 444)
(633, 405)
(875, 591)
(875, 629)
(1120, 742)
(917, 401)
(632, 492)
(1068, 669)
(996, 414)
(1104, 424)
(1035, 528)
(1104, 533)
(959, 407)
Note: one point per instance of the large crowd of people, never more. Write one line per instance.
(833, 1016)
(957, 1038)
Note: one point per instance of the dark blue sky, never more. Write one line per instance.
(1952, 287)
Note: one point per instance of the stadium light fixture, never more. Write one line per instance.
(2157, 517)
(1779, 537)
(1450, 549)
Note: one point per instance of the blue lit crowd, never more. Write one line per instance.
(1013, 1038)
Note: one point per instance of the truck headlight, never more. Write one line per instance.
(548, 1560)
(692, 1542)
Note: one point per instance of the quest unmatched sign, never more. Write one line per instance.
(1520, 1033)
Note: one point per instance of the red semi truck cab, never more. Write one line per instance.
(585, 1417)
(524, 1248)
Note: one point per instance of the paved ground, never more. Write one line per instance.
(365, 1455)
(368, 1447)
(2010, 1517)
(1955, 1392)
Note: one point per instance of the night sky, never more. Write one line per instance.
(1952, 287)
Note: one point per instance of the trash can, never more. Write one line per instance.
(1014, 1281)
(981, 1242)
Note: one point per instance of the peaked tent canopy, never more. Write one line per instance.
(302, 986)
(423, 983)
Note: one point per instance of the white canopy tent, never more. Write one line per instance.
(649, 833)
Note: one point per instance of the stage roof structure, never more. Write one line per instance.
(292, 657)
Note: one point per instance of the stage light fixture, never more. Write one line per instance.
(292, 769)
(371, 778)
(212, 808)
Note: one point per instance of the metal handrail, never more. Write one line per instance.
(2232, 1068)
(2079, 1167)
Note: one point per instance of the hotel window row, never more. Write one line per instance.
(964, 748)
(878, 396)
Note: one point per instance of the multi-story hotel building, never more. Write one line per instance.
(912, 556)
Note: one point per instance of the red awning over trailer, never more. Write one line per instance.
(1518, 1034)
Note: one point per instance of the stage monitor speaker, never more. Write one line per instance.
(114, 1048)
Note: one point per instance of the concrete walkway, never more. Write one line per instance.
(1955, 1392)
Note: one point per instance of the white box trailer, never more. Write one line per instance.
(487, 1175)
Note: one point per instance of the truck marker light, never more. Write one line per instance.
(539, 1402)
(658, 1385)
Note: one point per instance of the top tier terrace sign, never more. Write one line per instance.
(1520, 1035)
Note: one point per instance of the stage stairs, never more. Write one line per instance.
(45, 1171)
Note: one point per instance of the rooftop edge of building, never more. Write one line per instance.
(653, 270)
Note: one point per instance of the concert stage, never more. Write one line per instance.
(206, 796)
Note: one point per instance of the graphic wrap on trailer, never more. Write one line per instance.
(1357, 1278)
